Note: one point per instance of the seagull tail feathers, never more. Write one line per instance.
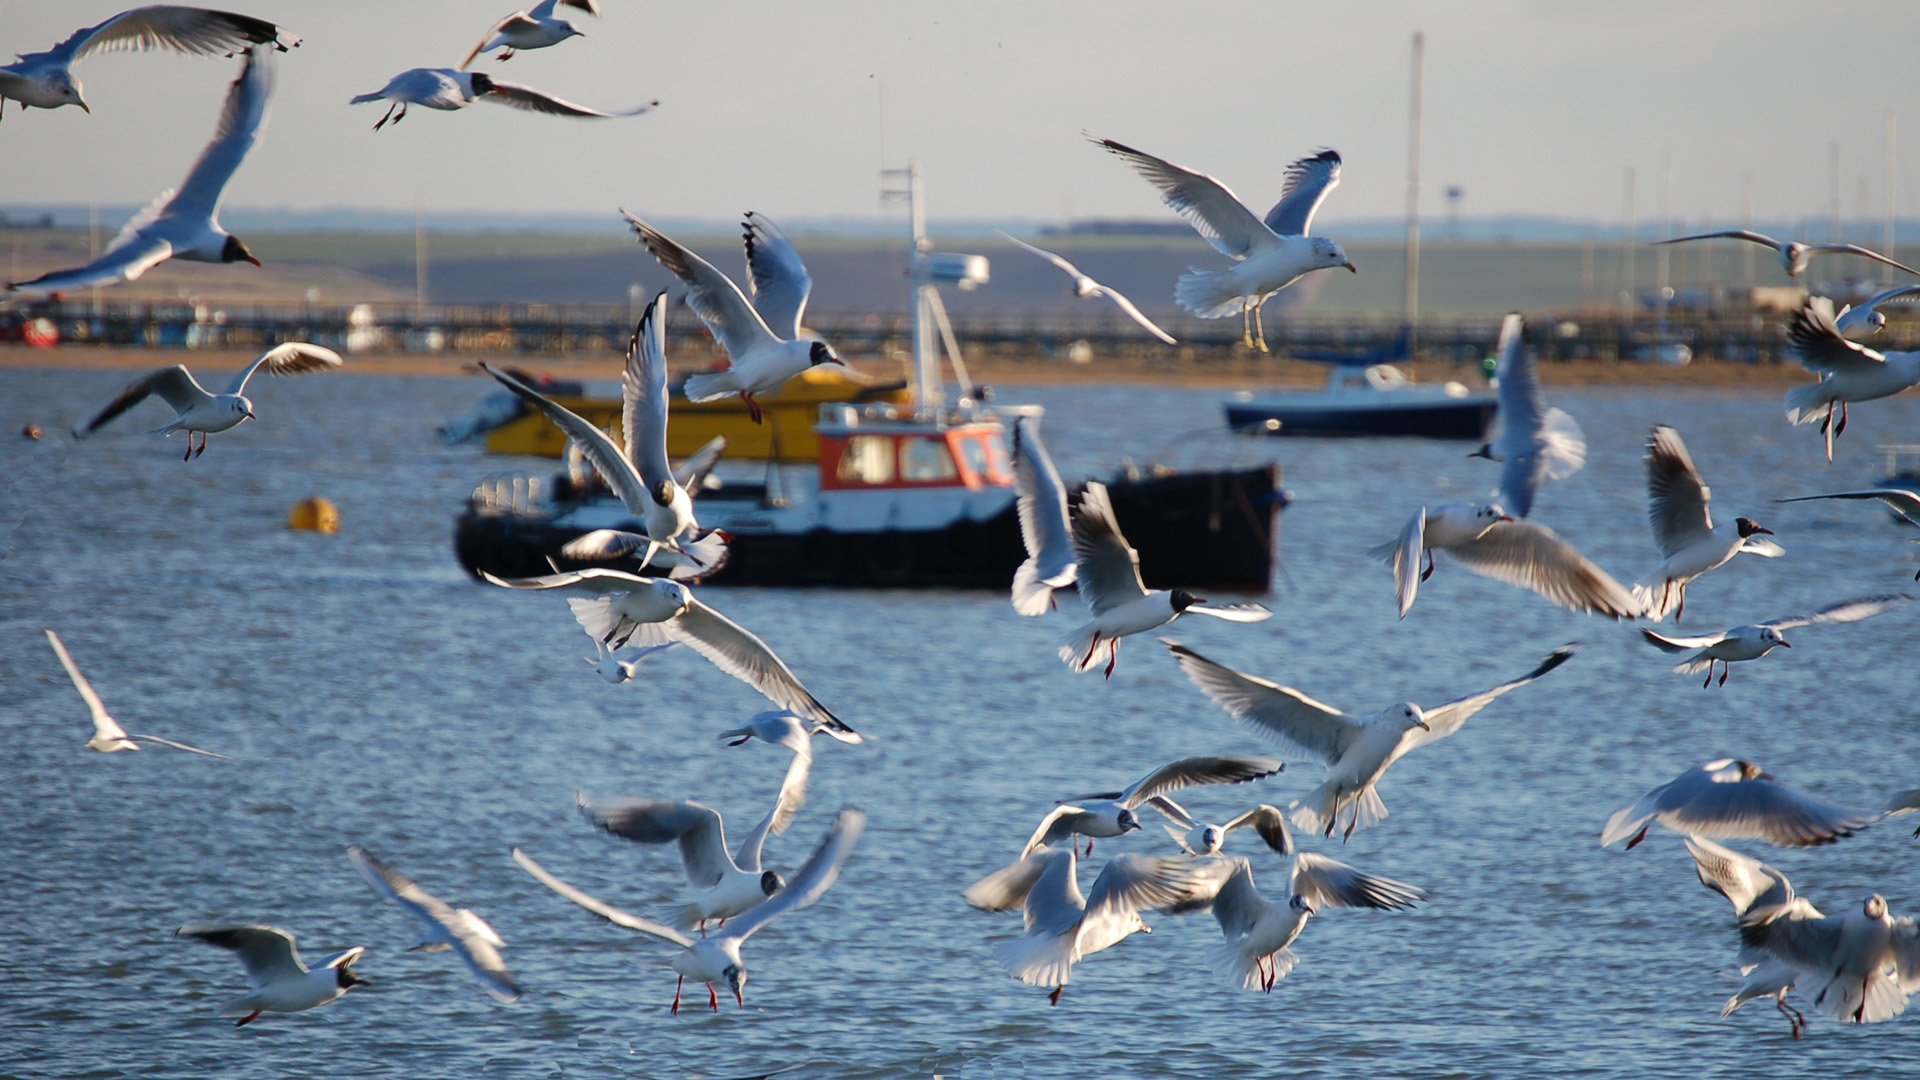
(1081, 653)
(1384, 553)
(688, 918)
(1319, 811)
(1652, 605)
(1243, 969)
(1808, 404)
(1564, 445)
(1038, 959)
(1033, 594)
(1210, 294)
(709, 385)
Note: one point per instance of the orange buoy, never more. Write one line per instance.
(314, 514)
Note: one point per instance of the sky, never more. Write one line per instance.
(1532, 108)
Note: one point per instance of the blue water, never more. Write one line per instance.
(370, 693)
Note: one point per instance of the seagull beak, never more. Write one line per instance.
(1768, 532)
(84, 108)
(1786, 644)
(1423, 725)
(1351, 267)
(250, 415)
(249, 257)
(1506, 517)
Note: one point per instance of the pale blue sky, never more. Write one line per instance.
(1534, 107)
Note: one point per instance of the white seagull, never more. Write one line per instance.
(1904, 502)
(1848, 371)
(729, 884)
(1208, 838)
(1794, 256)
(449, 90)
(639, 473)
(618, 669)
(717, 958)
(1064, 927)
(1272, 254)
(1536, 443)
(759, 359)
(108, 736)
(1757, 640)
(1867, 318)
(279, 981)
(1487, 540)
(1749, 884)
(1107, 574)
(533, 29)
(183, 224)
(44, 80)
(1731, 800)
(198, 412)
(1044, 525)
(1259, 932)
(1111, 813)
(1904, 802)
(446, 927)
(783, 728)
(623, 609)
(1357, 752)
(1682, 526)
(777, 279)
(1084, 287)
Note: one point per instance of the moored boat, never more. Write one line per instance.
(1376, 400)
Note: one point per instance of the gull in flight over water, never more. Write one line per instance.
(44, 80)
(1357, 752)
(108, 736)
(1753, 642)
(279, 981)
(533, 29)
(729, 884)
(1270, 254)
(197, 412)
(1064, 927)
(1848, 371)
(1107, 574)
(618, 669)
(183, 224)
(1794, 256)
(449, 91)
(1536, 443)
(1487, 540)
(1750, 884)
(1207, 838)
(1084, 286)
(1045, 527)
(1684, 529)
(1904, 502)
(1867, 318)
(1734, 800)
(759, 360)
(445, 927)
(717, 958)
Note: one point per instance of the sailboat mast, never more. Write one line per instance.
(1411, 302)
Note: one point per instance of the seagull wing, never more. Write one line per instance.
(1444, 720)
(1707, 802)
(241, 120)
(1747, 882)
(780, 280)
(1681, 644)
(103, 722)
(1278, 712)
(1193, 771)
(1231, 612)
(1068, 268)
(1404, 555)
(738, 652)
(1009, 886)
(1107, 568)
(174, 384)
(292, 358)
(517, 19)
(1127, 885)
(696, 827)
(1865, 253)
(1533, 557)
(606, 455)
(606, 911)
(124, 263)
(1730, 234)
(1061, 822)
(712, 295)
(1902, 501)
(809, 883)
(1844, 612)
(177, 746)
(643, 414)
(1269, 822)
(1213, 211)
(1817, 343)
(1331, 883)
(1795, 933)
(692, 472)
(1054, 903)
(1309, 180)
(473, 939)
(1677, 500)
(1238, 905)
(267, 952)
(531, 100)
(188, 30)
(1044, 524)
(1133, 313)
(597, 580)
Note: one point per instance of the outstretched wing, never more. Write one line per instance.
(1444, 720)
(191, 31)
(1278, 712)
(291, 358)
(1044, 526)
(740, 653)
(1902, 501)
(1108, 569)
(780, 280)
(1194, 771)
(695, 827)
(810, 882)
(1535, 558)
(1676, 498)
(1309, 180)
(643, 414)
(605, 910)
(712, 295)
(1214, 212)
(241, 121)
(1331, 883)
(175, 385)
(127, 262)
(531, 100)
(607, 456)
(1846, 611)
(1818, 346)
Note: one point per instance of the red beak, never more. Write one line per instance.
(251, 259)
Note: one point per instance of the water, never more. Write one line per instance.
(371, 694)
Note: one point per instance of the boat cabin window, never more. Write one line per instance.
(923, 459)
(868, 459)
(975, 455)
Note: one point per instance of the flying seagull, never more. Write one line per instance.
(1084, 286)
(1750, 884)
(279, 981)
(1848, 372)
(1487, 540)
(1684, 529)
(184, 224)
(1867, 317)
(1794, 256)
(44, 80)
(449, 90)
(1732, 799)
(445, 927)
(108, 736)
(1536, 443)
(1757, 640)
(1045, 527)
(533, 29)
(1064, 927)
(197, 412)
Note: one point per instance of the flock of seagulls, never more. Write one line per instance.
(1858, 967)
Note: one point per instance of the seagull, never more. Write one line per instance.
(1207, 839)
(624, 607)
(535, 29)
(183, 224)
(1063, 927)
(1110, 813)
(1108, 576)
(1734, 799)
(1905, 802)
(108, 736)
(615, 669)
(759, 359)
(449, 90)
(1272, 254)
(1357, 752)
(1755, 641)
(1866, 317)
(1848, 372)
(446, 927)
(1536, 443)
(1259, 933)
(280, 982)
(717, 958)
(638, 473)
(787, 729)
(1677, 510)
(1084, 286)
(1750, 884)
(1487, 540)
(1794, 255)
(1904, 502)
(729, 884)
(777, 279)
(197, 412)
(44, 80)
(1044, 525)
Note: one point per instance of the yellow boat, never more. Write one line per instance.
(787, 435)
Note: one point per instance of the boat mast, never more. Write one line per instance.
(1411, 302)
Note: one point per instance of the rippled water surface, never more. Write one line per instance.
(371, 693)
